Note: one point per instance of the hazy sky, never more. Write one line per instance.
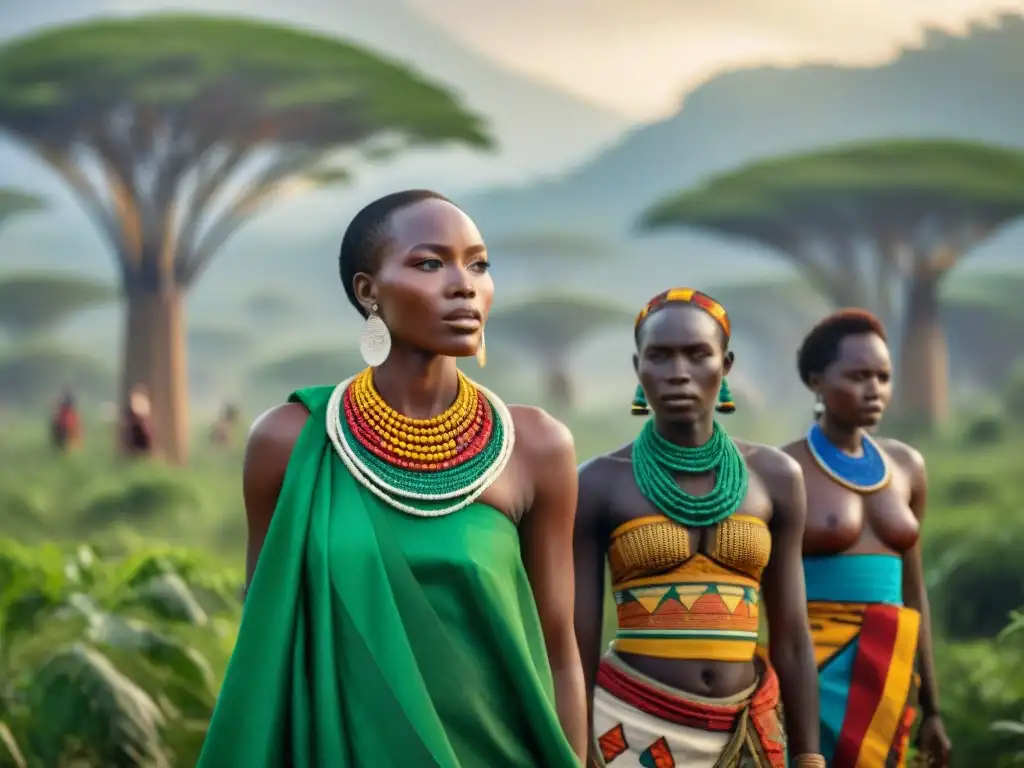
(639, 56)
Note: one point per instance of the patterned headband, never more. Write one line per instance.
(639, 406)
(687, 296)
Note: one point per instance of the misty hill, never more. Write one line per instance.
(965, 87)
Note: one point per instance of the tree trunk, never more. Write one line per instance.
(155, 357)
(923, 372)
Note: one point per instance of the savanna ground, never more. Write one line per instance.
(122, 580)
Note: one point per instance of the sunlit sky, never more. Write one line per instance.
(639, 56)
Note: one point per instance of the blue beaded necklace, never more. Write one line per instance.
(863, 474)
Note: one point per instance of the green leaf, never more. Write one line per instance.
(9, 750)
(169, 597)
(87, 701)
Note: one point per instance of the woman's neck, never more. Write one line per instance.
(417, 384)
(686, 434)
(846, 438)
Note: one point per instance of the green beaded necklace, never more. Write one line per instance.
(656, 462)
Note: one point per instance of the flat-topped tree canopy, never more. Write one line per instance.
(886, 183)
(172, 106)
(863, 221)
(36, 303)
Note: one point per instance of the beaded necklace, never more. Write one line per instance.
(861, 474)
(419, 465)
(657, 462)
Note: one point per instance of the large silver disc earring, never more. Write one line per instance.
(375, 340)
(819, 407)
(481, 351)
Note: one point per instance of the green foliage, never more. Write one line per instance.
(33, 375)
(107, 660)
(852, 186)
(552, 246)
(987, 429)
(36, 303)
(164, 618)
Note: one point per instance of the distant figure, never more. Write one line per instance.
(137, 433)
(66, 425)
(223, 432)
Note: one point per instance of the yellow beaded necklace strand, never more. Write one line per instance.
(445, 423)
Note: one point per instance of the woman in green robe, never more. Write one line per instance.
(410, 592)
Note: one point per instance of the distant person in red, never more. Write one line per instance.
(66, 424)
(137, 432)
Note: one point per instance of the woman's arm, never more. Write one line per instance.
(590, 544)
(785, 595)
(267, 453)
(934, 741)
(546, 538)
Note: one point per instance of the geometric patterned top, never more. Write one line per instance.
(678, 605)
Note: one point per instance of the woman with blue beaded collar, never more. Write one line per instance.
(862, 558)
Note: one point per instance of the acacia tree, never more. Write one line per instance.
(33, 304)
(550, 327)
(175, 130)
(13, 202)
(874, 225)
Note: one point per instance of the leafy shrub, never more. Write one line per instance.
(982, 690)
(139, 500)
(968, 491)
(106, 661)
(985, 430)
(981, 579)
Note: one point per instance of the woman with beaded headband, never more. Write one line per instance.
(694, 525)
(862, 558)
(410, 539)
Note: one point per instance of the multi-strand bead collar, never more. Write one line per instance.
(417, 465)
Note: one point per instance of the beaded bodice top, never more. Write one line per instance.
(676, 603)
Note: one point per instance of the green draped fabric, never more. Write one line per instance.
(372, 639)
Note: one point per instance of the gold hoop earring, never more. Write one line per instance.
(375, 340)
(481, 351)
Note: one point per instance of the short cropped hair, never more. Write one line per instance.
(820, 348)
(367, 233)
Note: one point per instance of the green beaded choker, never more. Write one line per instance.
(657, 462)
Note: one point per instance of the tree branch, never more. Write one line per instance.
(281, 180)
(104, 218)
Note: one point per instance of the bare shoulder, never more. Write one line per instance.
(540, 436)
(272, 438)
(795, 448)
(604, 468)
(906, 457)
(775, 466)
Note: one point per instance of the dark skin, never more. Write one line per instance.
(681, 350)
(855, 390)
(435, 264)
